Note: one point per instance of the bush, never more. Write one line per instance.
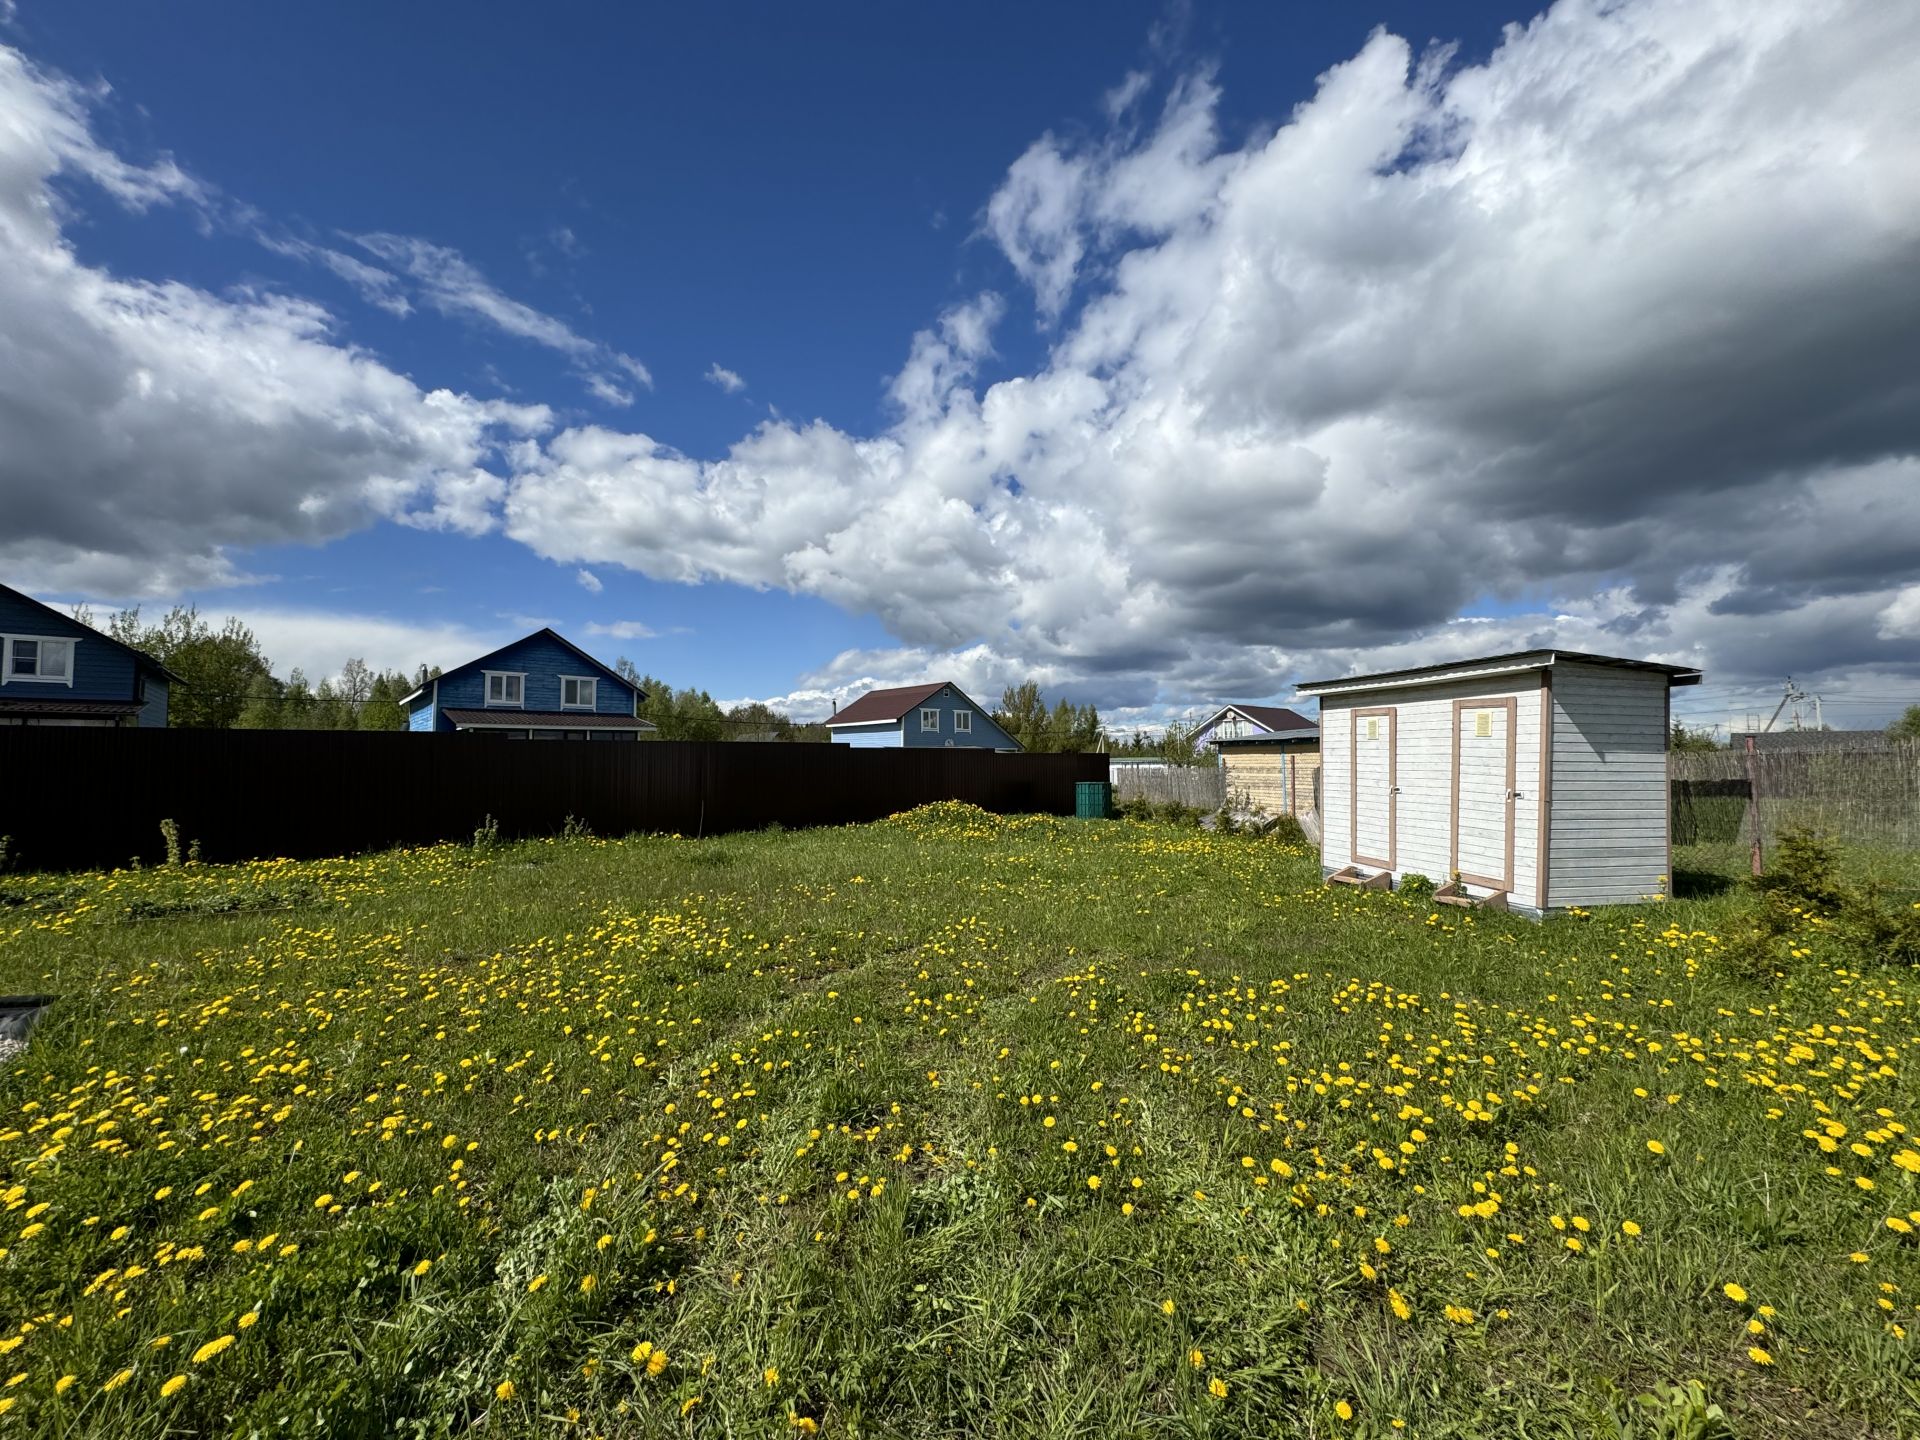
(1417, 888)
(1802, 887)
(1287, 831)
(1804, 872)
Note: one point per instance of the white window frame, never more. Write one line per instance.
(518, 703)
(963, 722)
(7, 677)
(592, 682)
(925, 711)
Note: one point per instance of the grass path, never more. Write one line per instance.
(950, 1125)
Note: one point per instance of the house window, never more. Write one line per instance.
(504, 688)
(930, 719)
(963, 722)
(577, 692)
(38, 657)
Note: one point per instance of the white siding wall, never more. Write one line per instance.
(1425, 804)
(871, 737)
(1608, 840)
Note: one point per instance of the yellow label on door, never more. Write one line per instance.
(1373, 728)
(1482, 724)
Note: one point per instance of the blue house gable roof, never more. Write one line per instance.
(496, 659)
(540, 686)
(56, 671)
(915, 717)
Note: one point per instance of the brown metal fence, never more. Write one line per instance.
(79, 798)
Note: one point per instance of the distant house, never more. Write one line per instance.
(1239, 722)
(542, 687)
(917, 717)
(56, 671)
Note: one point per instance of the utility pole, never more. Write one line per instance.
(1789, 695)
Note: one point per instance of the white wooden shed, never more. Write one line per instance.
(1448, 771)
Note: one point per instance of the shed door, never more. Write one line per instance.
(1483, 793)
(1375, 791)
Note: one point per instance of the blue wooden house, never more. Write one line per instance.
(56, 671)
(917, 717)
(542, 687)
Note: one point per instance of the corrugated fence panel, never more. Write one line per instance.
(80, 798)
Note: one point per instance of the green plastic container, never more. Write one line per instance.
(1093, 800)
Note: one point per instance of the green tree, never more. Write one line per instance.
(1907, 727)
(756, 721)
(296, 702)
(262, 708)
(1684, 739)
(329, 712)
(217, 668)
(1023, 714)
(382, 709)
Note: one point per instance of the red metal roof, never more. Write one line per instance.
(501, 718)
(878, 706)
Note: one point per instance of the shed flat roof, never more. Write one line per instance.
(1493, 665)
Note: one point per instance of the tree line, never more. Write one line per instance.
(229, 684)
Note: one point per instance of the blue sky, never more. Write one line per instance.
(588, 209)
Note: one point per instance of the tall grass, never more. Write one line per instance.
(946, 1126)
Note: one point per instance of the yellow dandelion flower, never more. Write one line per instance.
(1759, 1356)
(1734, 1292)
(504, 1390)
(770, 1376)
(1343, 1410)
(64, 1384)
(1656, 1147)
(116, 1380)
(1166, 1307)
(422, 1268)
(249, 1320)
(212, 1348)
(1628, 1227)
(1197, 1359)
(173, 1387)
(657, 1362)
(686, 1405)
(535, 1283)
(1217, 1388)
(1401, 1309)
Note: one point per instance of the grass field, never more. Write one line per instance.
(951, 1125)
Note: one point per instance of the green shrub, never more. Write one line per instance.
(1287, 831)
(1804, 872)
(1417, 888)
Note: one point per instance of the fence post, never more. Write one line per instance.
(1753, 807)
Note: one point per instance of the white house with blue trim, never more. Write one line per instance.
(56, 671)
(940, 716)
(541, 687)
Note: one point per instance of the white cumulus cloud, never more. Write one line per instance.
(727, 380)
